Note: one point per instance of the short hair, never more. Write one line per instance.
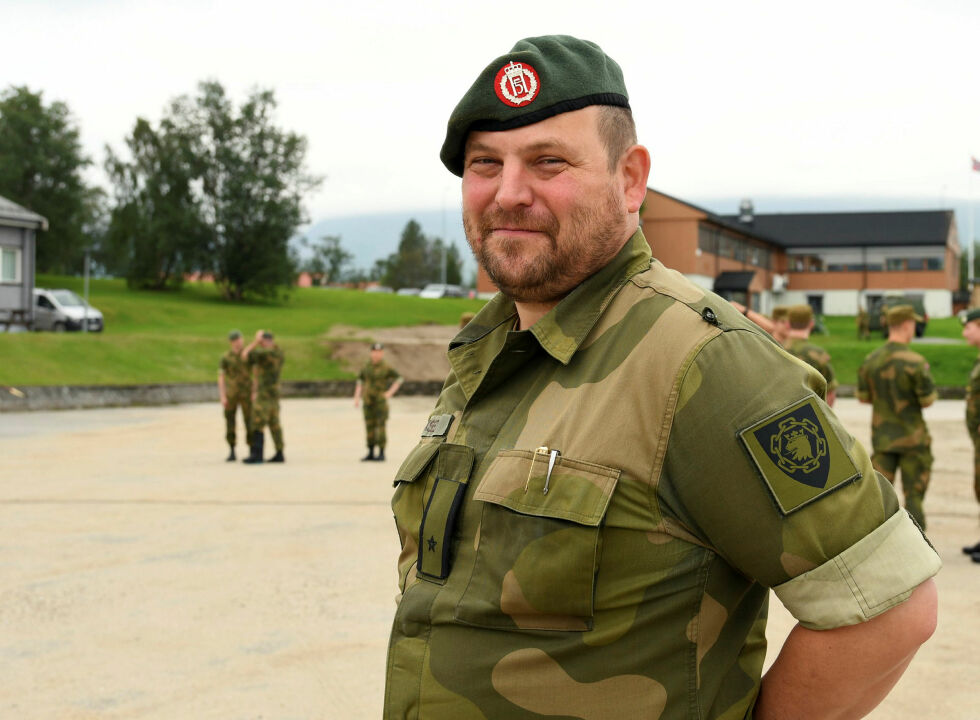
(617, 131)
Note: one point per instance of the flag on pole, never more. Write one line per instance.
(976, 164)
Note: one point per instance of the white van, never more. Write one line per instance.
(61, 310)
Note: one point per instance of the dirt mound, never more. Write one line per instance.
(418, 353)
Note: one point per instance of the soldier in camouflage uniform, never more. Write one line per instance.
(235, 390)
(863, 324)
(971, 332)
(265, 358)
(620, 465)
(780, 323)
(376, 383)
(798, 345)
(896, 382)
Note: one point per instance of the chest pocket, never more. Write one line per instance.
(539, 543)
(429, 490)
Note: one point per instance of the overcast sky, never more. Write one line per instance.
(862, 97)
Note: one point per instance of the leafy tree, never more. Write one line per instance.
(329, 261)
(156, 232)
(419, 260)
(41, 166)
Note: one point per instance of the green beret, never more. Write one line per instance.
(970, 315)
(800, 316)
(234, 335)
(540, 78)
(901, 313)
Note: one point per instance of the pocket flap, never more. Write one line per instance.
(416, 462)
(578, 491)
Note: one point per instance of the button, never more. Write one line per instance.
(709, 316)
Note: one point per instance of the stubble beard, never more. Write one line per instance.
(588, 241)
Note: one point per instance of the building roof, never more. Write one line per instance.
(853, 229)
(725, 221)
(12, 214)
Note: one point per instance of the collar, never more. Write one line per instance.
(564, 328)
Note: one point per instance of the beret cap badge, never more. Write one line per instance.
(516, 84)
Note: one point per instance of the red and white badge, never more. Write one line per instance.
(516, 84)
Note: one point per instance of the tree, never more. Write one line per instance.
(329, 261)
(253, 184)
(156, 232)
(41, 166)
(419, 260)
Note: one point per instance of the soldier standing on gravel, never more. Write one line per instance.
(897, 383)
(620, 466)
(377, 383)
(971, 331)
(798, 345)
(265, 358)
(235, 390)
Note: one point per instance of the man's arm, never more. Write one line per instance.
(843, 673)
(394, 388)
(251, 346)
(357, 393)
(221, 389)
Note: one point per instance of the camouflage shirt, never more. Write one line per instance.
(897, 382)
(268, 364)
(973, 400)
(237, 378)
(814, 356)
(598, 505)
(377, 379)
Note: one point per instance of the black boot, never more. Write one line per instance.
(370, 455)
(278, 457)
(231, 455)
(258, 447)
(381, 454)
(972, 549)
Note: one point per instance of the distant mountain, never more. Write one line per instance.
(371, 237)
(375, 236)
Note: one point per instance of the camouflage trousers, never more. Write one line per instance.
(915, 466)
(976, 466)
(266, 412)
(375, 417)
(243, 401)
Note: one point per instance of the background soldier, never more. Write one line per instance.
(971, 331)
(896, 382)
(798, 344)
(863, 324)
(265, 359)
(780, 323)
(377, 382)
(235, 390)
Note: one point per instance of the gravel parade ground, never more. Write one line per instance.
(141, 576)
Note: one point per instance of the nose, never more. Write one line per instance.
(514, 190)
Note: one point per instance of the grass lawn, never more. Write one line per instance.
(950, 363)
(166, 337)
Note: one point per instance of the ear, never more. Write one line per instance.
(634, 168)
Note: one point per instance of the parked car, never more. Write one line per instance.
(878, 305)
(61, 310)
(408, 291)
(437, 290)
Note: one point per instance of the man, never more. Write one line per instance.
(863, 324)
(265, 358)
(620, 465)
(235, 390)
(378, 382)
(780, 323)
(971, 332)
(896, 382)
(798, 344)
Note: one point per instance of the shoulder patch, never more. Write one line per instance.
(798, 455)
(437, 426)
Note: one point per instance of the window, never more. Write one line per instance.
(10, 265)
(934, 263)
(916, 264)
(894, 264)
(707, 240)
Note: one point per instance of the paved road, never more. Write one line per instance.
(143, 577)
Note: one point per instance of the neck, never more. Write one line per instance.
(898, 337)
(798, 335)
(530, 313)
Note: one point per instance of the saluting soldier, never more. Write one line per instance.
(780, 323)
(265, 358)
(798, 344)
(971, 331)
(235, 390)
(376, 384)
(897, 383)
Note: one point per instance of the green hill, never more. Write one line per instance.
(165, 337)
